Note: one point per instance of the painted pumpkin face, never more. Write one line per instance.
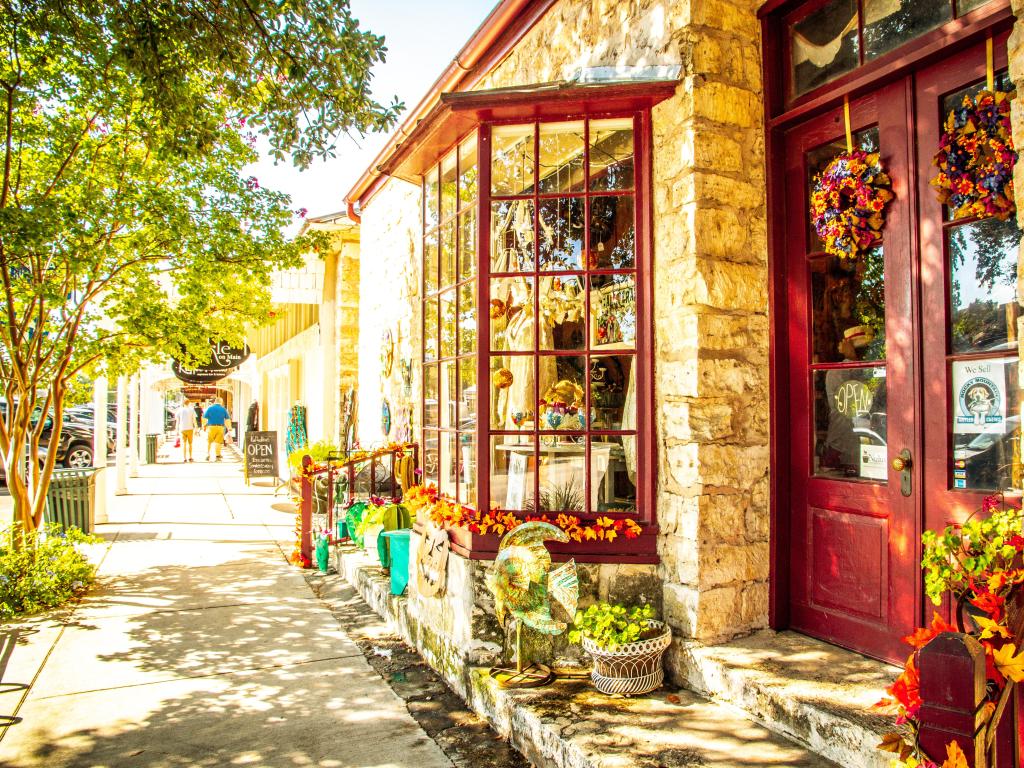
(432, 562)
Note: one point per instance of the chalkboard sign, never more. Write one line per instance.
(261, 454)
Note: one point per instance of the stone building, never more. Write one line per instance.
(589, 249)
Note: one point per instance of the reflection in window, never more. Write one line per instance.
(611, 154)
(613, 311)
(512, 157)
(823, 45)
(612, 392)
(613, 483)
(561, 157)
(512, 236)
(848, 308)
(889, 24)
(513, 463)
(850, 423)
(561, 233)
(983, 285)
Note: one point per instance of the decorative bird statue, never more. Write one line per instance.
(524, 585)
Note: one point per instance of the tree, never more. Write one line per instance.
(126, 228)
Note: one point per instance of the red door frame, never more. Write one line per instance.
(779, 116)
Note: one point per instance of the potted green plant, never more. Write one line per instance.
(626, 644)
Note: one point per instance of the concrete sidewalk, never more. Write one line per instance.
(201, 646)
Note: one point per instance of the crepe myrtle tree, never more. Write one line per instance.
(128, 229)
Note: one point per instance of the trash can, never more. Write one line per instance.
(71, 499)
(398, 550)
(151, 448)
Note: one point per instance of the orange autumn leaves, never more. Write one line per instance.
(450, 514)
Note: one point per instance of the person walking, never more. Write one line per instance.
(217, 420)
(185, 423)
(199, 414)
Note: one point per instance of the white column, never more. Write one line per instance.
(133, 426)
(120, 452)
(99, 446)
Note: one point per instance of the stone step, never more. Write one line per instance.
(815, 693)
(570, 725)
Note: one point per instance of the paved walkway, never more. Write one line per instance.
(201, 647)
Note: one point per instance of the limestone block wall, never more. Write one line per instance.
(389, 299)
(1015, 55)
(710, 278)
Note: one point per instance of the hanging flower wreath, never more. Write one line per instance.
(976, 158)
(848, 202)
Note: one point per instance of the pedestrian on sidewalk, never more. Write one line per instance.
(185, 422)
(199, 414)
(217, 421)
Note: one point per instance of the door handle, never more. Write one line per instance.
(903, 463)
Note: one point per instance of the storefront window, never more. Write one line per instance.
(563, 315)
(450, 244)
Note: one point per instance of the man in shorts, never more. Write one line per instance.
(217, 420)
(185, 421)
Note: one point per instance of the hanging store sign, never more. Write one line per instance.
(979, 393)
(224, 360)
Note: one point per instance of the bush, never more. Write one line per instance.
(42, 569)
(610, 626)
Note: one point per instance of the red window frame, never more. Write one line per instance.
(642, 549)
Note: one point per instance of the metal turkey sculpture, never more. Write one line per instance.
(525, 585)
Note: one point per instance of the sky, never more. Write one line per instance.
(422, 38)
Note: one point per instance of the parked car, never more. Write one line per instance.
(74, 451)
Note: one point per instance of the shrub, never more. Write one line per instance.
(610, 626)
(42, 569)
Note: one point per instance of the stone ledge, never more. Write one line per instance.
(815, 693)
(570, 725)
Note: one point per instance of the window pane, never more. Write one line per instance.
(983, 285)
(448, 323)
(430, 456)
(986, 424)
(818, 159)
(467, 244)
(848, 308)
(512, 314)
(512, 160)
(562, 311)
(966, 6)
(447, 402)
(613, 473)
(612, 233)
(611, 154)
(562, 404)
(561, 157)
(447, 463)
(823, 45)
(513, 463)
(430, 317)
(612, 311)
(448, 232)
(512, 236)
(430, 262)
(448, 186)
(513, 396)
(467, 467)
(430, 393)
(467, 394)
(561, 233)
(850, 423)
(430, 210)
(613, 392)
(468, 173)
(467, 319)
(888, 24)
(563, 476)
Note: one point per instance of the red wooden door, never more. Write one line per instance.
(969, 279)
(911, 348)
(853, 532)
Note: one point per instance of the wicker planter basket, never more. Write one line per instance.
(630, 669)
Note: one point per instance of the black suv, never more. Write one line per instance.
(74, 451)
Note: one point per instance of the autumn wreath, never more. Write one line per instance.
(976, 157)
(848, 203)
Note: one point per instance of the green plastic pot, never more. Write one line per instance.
(398, 550)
